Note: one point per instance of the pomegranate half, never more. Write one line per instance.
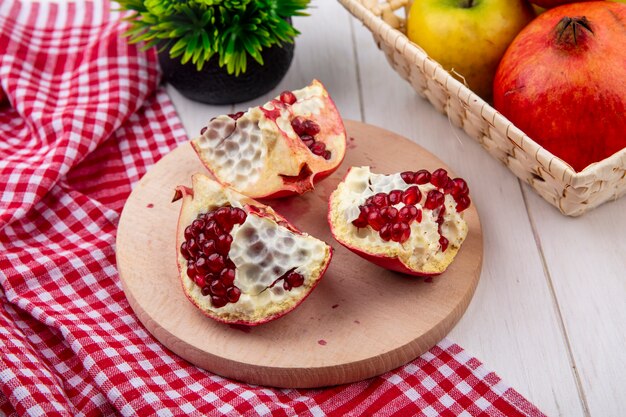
(239, 261)
(278, 149)
(410, 222)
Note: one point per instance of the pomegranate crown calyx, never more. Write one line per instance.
(573, 31)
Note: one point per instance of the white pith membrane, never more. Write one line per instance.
(257, 154)
(422, 251)
(261, 250)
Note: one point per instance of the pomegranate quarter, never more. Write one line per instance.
(278, 149)
(411, 222)
(238, 260)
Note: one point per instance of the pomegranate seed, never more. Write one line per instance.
(184, 252)
(286, 285)
(188, 233)
(298, 125)
(209, 278)
(360, 221)
(308, 140)
(395, 196)
(400, 232)
(222, 217)
(236, 116)
(459, 187)
(202, 266)
(444, 243)
(212, 230)
(218, 302)
(227, 276)
(191, 270)
(385, 233)
(462, 202)
(408, 176)
(223, 244)
(407, 214)
(411, 195)
(418, 217)
(237, 215)
(434, 199)
(380, 200)
(287, 97)
(205, 291)
(311, 128)
(233, 294)
(439, 178)
(369, 201)
(421, 177)
(295, 279)
(390, 213)
(197, 226)
(192, 247)
(217, 288)
(327, 155)
(209, 247)
(215, 262)
(318, 148)
(375, 220)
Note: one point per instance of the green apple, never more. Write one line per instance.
(468, 37)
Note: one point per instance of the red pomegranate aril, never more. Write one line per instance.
(439, 178)
(191, 270)
(311, 128)
(459, 187)
(209, 278)
(212, 230)
(202, 266)
(462, 202)
(308, 140)
(380, 200)
(218, 302)
(395, 197)
(295, 279)
(227, 276)
(389, 213)
(444, 243)
(205, 291)
(375, 220)
(385, 232)
(218, 288)
(407, 213)
(223, 244)
(189, 233)
(360, 221)
(197, 226)
(327, 155)
(298, 125)
(318, 148)
(236, 116)
(421, 177)
(400, 232)
(222, 217)
(408, 176)
(233, 294)
(184, 251)
(215, 262)
(286, 285)
(434, 199)
(287, 97)
(411, 195)
(192, 247)
(237, 215)
(209, 247)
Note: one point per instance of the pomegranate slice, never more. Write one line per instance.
(410, 222)
(278, 149)
(239, 261)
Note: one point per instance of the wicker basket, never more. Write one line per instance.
(571, 192)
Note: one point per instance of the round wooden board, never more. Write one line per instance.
(359, 322)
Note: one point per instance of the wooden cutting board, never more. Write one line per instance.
(359, 322)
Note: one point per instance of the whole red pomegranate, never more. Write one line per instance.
(562, 81)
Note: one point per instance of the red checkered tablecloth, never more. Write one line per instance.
(86, 119)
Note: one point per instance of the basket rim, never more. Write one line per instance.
(553, 165)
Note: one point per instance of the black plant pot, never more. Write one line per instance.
(213, 85)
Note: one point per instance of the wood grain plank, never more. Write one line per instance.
(511, 324)
(586, 260)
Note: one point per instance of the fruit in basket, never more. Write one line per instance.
(562, 81)
(410, 222)
(278, 149)
(468, 37)
(239, 261)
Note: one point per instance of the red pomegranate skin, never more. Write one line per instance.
(565, 87)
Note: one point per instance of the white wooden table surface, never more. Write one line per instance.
(549, 314)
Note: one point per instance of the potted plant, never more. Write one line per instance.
(218, 51)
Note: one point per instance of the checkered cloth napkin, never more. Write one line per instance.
(86, 119)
